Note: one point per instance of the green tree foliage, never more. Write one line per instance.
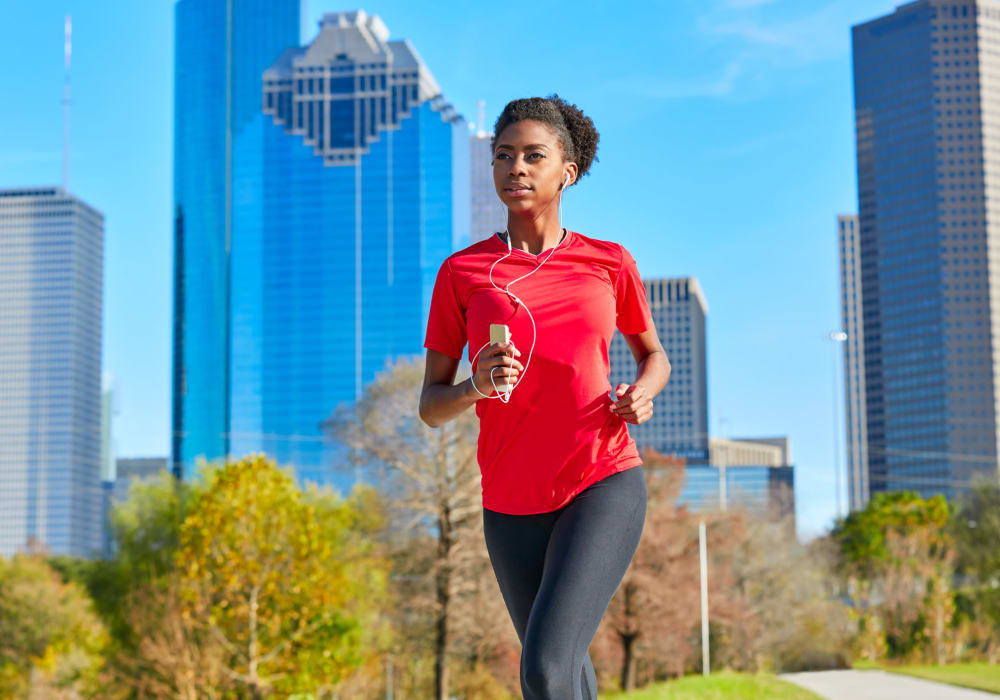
(976, 530)
(261, 572)
(862, 535)
(51, 640)
(898, 559)
(145, 529)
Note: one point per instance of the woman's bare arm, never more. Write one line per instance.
(635, 404)
(441, 399)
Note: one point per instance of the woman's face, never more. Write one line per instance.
(528, 166)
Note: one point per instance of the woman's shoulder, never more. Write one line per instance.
(605, 250)
(472, 250)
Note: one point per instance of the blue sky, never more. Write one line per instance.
(726, 152)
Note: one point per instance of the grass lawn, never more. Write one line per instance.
(723, 686)
(979, 676)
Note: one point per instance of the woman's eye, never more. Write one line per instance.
(540, 155)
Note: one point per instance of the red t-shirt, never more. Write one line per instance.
(556, 435)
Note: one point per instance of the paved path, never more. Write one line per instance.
(879, 685)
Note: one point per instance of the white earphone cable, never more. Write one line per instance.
(534, 331)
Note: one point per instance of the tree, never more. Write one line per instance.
(432, 479)
(899, 561)
(788, 616)
(145, 529)
(51, 642)
(651, 617)
(260, 576)
(975, 528)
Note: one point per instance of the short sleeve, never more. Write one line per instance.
(446, 322)
(631, 307)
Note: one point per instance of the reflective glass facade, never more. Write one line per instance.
(926, 101)
(51, 271)
(349, 187)
(221, 50)
(765, 491)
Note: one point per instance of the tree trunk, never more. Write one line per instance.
(628, 668)
(628, 637)
(443, 585)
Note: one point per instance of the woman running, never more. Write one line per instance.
(564, 494)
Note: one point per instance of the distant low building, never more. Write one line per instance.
(753, 474)
(136, 468)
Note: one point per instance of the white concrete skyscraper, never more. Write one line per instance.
(487, 211)
(849, 247)
(51, 271)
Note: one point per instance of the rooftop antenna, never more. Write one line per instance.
(481, 105)
(68, 52)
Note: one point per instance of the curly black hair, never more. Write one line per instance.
(575, 130)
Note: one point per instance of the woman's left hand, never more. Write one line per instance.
(634, 403)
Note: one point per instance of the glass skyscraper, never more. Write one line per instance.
(927, 102)
(347, 182)
(51, 276)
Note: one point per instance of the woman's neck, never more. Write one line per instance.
(533, 234)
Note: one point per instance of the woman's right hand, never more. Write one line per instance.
(498, 359)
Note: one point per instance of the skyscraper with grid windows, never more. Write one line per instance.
(927, 110)
(679, 424)
(51, 273)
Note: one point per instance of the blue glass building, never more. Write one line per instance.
(761, 490)
(347, 186)
(926, 114)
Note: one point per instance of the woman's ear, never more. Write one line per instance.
(571, 171)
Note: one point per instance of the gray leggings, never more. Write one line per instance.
(558, 572)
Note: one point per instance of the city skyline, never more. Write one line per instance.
(729, 200)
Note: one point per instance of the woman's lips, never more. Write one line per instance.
(517, 191)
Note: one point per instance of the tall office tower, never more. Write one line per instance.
(926, 92)
(221, 49)
(349, 182)
(679, 424)
(849, 247)
(488, 215)
(51, 272)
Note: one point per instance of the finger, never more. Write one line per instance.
(505, 354)
(507, 368)
(628, 405)
(510, 361)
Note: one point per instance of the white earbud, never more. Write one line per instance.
(566, 181)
